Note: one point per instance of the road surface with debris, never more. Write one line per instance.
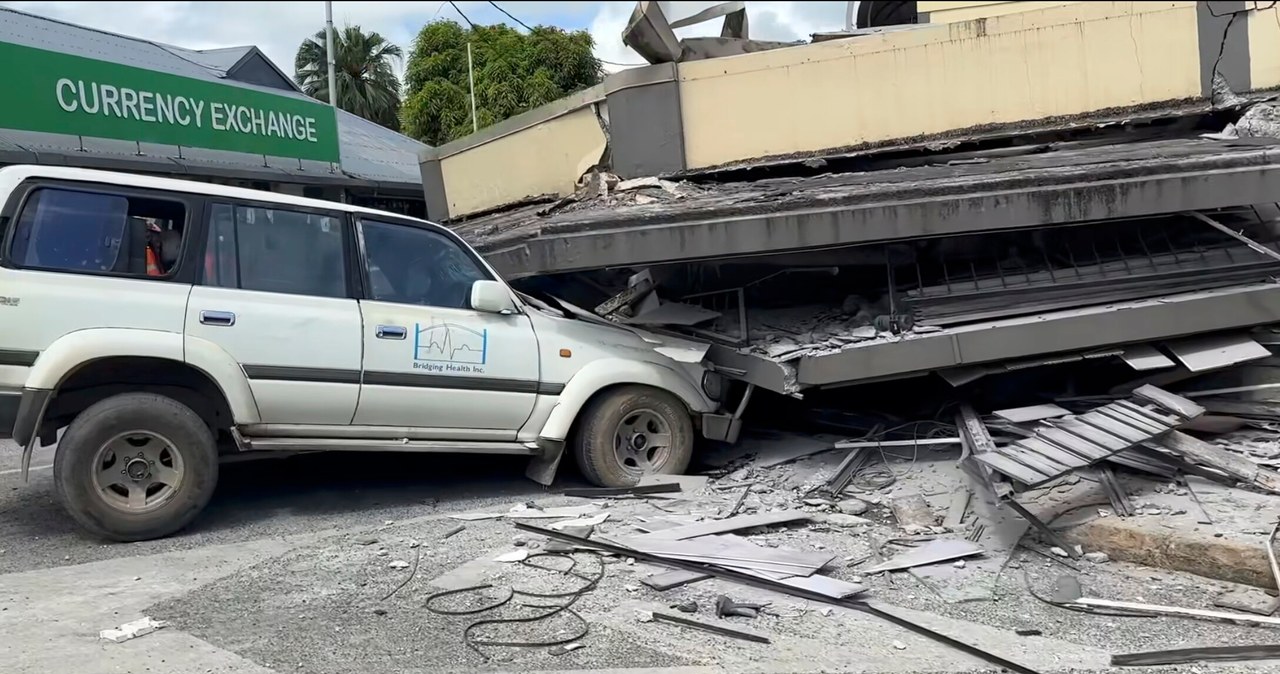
(331, 564)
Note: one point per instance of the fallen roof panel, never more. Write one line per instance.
(1075, 185)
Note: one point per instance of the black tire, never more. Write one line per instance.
(593, 443)
(74, 476)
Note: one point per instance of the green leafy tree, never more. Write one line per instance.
(364, 68)
(514, 72)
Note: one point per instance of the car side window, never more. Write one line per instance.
(99, 232)
(412, 265)
(276, 250)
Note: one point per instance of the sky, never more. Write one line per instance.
(279, 27)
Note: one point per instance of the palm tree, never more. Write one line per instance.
(363, 68)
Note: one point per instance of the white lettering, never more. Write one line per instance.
(164, 108)
(244, 119)
(299, 127)
(311, 129)
(129, 101)
(273, 124)
(147, 105)
(110, 100)
(198, 106)
(84, 100)
(183, 117)
(215, 113)
(67, 84)
(259, 122)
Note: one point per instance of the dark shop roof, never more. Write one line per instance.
(372, 155)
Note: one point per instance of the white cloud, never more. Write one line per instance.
(279, 27)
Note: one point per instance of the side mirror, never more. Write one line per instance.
(492, 297)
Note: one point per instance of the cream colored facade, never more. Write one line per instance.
(977, 65)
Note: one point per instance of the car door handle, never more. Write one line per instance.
(222, 318)
(391, 332)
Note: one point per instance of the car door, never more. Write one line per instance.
(276, 296)
(430, 361)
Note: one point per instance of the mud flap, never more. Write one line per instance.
(26, 458)
(542, 468)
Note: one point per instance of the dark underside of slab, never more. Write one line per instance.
(1078, 184)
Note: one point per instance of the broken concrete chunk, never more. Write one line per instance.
(365, 540)
(853, 506)
(898, 645)
(565, 648)
(913, 510)
(132, 630)
(842, 520)
(516, 556)
(1058, 551)
(398, 564)
(1251, 601)
(1097, 557)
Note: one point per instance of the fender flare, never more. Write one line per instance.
(76, 349)
(610, 372)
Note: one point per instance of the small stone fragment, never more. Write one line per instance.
(1097, 557)
(398, 564)
(899, 646)
(520, 541)
(509, 557)
(644, 616)
(686, 607)
(1058, 551)
(826, 611)
(383, 552)
(1028, 632)
(631, 588)
(959, 564)
(388, 523)
(379, 611)
(818, 503)
(564, 648)
(413, 544)
(366, 540)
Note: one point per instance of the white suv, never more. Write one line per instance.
(164, 322)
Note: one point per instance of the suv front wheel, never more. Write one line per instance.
(632, 431)
(136, 466)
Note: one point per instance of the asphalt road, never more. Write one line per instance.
(275, 577)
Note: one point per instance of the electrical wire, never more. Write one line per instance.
(509, 16)
(459, 11)
(552, 610)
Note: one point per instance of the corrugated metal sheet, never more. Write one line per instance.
(1060, 446)
(371, 155)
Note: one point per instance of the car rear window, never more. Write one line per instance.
(70, 230)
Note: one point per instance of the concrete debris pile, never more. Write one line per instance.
(601, 189)
(1261, 120)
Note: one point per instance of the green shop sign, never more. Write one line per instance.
(59, 93)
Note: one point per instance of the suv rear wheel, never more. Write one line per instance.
(136, 466)
(633, 431)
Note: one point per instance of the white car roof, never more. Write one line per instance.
(19, 172)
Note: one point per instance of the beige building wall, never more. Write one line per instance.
(544, 158)
(1061, 61)
(949, 12)
(1264, 47)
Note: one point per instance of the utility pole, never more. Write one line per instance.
(471, 79)
(328, 50)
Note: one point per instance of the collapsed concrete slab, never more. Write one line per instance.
(728, 220)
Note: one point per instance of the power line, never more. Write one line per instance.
(509, 16)
(464, 16)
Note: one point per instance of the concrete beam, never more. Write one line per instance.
(1064, 331)
(832, 211)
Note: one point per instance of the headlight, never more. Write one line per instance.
(713, 385)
